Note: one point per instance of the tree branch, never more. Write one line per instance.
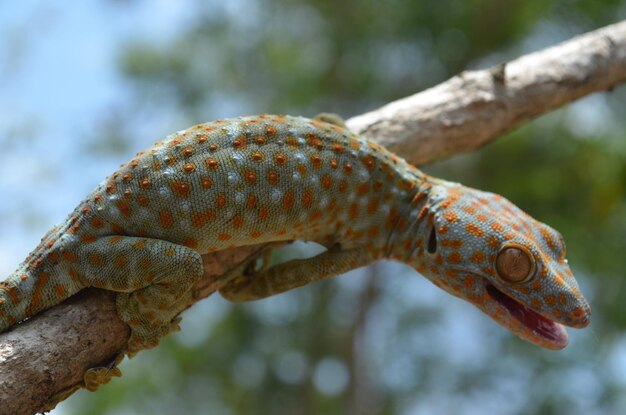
(475, 107)
(50, 352)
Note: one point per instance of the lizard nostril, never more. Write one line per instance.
(432, 241)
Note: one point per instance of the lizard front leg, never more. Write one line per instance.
(293, 274)
(154, 280)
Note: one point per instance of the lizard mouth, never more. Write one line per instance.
(550, 333)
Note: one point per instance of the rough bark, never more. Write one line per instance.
(50, 352)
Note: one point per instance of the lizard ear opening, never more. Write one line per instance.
(432, 241)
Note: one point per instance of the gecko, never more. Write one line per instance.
(258, 179)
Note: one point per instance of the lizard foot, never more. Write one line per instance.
(147, 337)
(92, 379)
(97, 376)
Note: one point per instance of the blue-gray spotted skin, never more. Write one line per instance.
(256, 179)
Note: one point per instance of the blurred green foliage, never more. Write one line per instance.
(367, 344)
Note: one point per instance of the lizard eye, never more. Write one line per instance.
(515, 264)
(432, 241)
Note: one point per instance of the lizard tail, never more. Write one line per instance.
(40, 282)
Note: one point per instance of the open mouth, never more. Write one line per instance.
(549, 330)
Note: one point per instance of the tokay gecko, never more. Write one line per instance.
(250, 180)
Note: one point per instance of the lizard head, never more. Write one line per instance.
(480, 247)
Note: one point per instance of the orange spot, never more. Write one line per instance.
(96, 222)
(120, 262)
(347, 168)
(250, 177)
(474, 230)
(497, 227)
(493, 242)
(307, 198)
(220, 200)
(354, 210)
(338, 147)
(213, 147)
(326, 181)
(478, 257)
(189, 167)
(124, 207)
(212, 163)
(111, 187)
(202, 138)
(280, 159)
(449, 202)
(362, 189)
(546, 235)
(314, 141)
(257, 156)
(260, 139)
(562, 299)
(373, 231)
(469, 282)
(165, 218)
(239, 142)
(251, 202)
(316, 160)
(39, 286)
(481, 218)
(334, 163)
(96, 259)
(237, 221)
(343, 186)
(469, 209)
(292, 142)
(270, 130)
(454, 258)
(200, 219)
(224, 236)
(59, 290)
(127, 177)
(139, 245)
(272, 177)
(207, 183)
(70, 256)
(143, 200)
(191, 243)
(255, 234)
(288, 200)
(368, 162)
(451, 216)
(316, 214)
(180, 187)
(577, 313)
(24, 277)
(372, 207)
(264, 213)
(88, 238)
(549, 299)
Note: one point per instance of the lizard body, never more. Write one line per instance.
(250, 180)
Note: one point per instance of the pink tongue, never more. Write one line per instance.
(534, 321)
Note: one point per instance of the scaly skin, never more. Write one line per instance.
(251, 180)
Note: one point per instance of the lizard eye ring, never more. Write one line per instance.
(515, 264)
